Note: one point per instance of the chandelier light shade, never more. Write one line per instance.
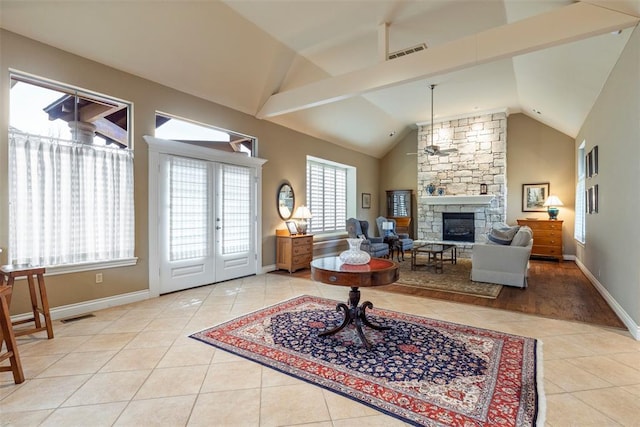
(552, 204)
(302, 214)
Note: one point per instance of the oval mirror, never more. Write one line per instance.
(286, 201)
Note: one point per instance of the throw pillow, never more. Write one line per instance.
(502, 235)
(522, 237)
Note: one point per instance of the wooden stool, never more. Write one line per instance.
(6, 334)
(11, 272)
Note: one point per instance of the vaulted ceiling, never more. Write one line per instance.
(318, 66)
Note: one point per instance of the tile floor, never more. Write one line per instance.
(134, 365)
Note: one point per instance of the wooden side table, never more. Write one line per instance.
(332, 271)
(40, 310)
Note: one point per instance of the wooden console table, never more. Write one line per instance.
(547, 237)
(377, 272)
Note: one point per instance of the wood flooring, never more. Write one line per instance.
(556, 290)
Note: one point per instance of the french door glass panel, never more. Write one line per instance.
(186, 233)
(235, 222)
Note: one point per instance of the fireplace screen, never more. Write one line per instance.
(459, 227)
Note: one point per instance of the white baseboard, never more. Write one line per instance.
(73, 310)
(632, 326)
(268, 268)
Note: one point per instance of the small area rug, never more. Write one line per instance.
(455, 278)
(421, 371)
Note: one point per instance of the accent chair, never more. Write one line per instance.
(405, 241)
(375, 246)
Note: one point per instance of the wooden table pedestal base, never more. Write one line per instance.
(354, 313)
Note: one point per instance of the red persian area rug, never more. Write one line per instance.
(421, 371)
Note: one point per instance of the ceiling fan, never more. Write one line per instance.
(432, 149)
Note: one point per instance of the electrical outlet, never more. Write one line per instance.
(98, 277)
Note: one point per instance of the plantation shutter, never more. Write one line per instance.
(326, 197)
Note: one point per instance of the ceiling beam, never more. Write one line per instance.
(559, 26)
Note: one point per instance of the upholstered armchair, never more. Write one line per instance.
(504, 263)
(405, 241)
(375, 246)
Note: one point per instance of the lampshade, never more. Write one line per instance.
(302, 212)
(387, 225)
(552, 202)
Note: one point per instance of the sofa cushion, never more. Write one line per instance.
(502, 234)
(522, 237)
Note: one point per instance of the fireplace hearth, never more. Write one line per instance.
(458, 226)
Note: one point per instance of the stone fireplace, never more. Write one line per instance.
(480, 159)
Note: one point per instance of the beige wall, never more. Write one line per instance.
(284, 149)
(611, 249)
(399, 171)
(537, 153)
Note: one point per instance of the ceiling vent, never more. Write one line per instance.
(408, 51)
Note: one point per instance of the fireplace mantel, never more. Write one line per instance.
(484, 199)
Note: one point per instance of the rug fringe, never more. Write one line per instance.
(542, 400)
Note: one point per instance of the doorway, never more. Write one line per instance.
(204, 207)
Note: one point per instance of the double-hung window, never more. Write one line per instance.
(70, 176)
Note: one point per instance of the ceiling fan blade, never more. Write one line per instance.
(448, 150)
(411, 154)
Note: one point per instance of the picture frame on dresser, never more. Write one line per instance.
(292, 227)
(534, 196)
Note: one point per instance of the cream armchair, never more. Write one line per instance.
(503, 264)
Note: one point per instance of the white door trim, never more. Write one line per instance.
(159, 146)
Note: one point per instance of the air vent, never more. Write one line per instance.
(408, 51)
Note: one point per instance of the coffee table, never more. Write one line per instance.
(377, 272)
(434, 253)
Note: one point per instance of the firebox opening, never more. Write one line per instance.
(458, 227)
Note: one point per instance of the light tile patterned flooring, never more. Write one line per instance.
(134, 365)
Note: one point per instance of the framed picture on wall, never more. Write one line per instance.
(589, 164)
(366, 200)
(594, 150)
(533, 197)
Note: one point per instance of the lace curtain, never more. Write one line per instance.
(69, 202)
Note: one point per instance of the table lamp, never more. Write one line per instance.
(387, 226)
(302, 214)
(552, 203)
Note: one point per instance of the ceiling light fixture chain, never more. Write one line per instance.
(434, 149)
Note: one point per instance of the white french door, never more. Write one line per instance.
(207, 222)
(186, 231)
(235, 222)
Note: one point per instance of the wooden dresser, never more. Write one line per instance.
(547, 237)
(294, 252)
